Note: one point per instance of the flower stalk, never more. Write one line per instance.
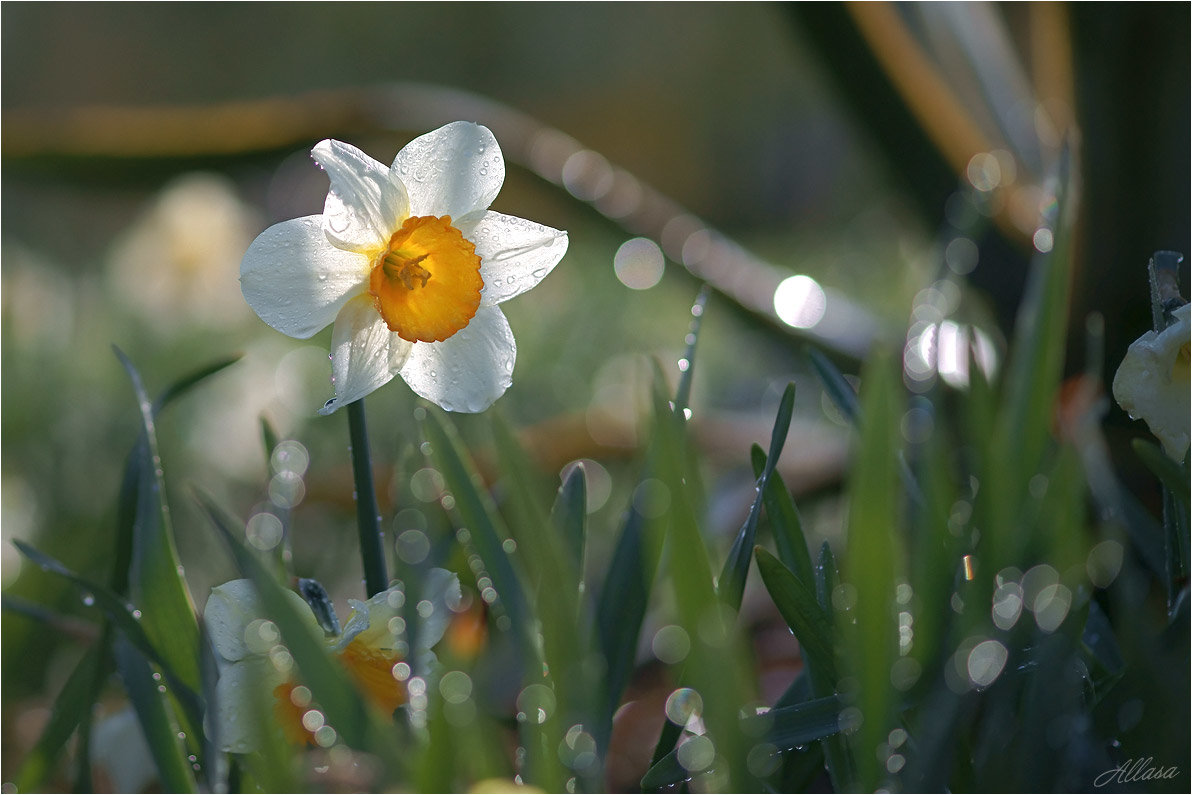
(368, 515)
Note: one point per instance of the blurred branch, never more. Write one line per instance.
(277, 123)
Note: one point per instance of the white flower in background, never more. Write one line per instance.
(256, 668)
(173, 266)
(120, 755)
(1152, 383)
(409, 264)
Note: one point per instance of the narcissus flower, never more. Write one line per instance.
(409, 264)
(1152, 383)
(256, 669)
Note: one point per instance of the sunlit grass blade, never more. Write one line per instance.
(156, 583)
(486, 533)
(120, 614)
(731, 585)
(160, 731)
(838, 389)
(873, 562)
(785, 524)
(1022, 430)
(714, 666)
(328, 682)
(570, 513)
(802, 613)
(566, 644)
(784, 728)
(687, 363)
(73, 703)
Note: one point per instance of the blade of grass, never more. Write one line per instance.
(784, 728)
(486, 532)
(161, 732)
(785, 524)
(736, 566)
(714, 665)
(622, 604)
(69, 707)
(687, 363)
(838, 389)
(802, 613)
(121, 615)
(570, 513)
(156, 582)
(565, 644)
(874, 556)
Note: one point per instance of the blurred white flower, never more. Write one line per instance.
(409, 264)
(1152, 383)
(120, 754)
(254, 663)
(175, 266)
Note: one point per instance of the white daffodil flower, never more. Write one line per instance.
(1152, 383)
(409, 264)
(256, 668)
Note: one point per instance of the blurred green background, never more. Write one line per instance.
(776, 125)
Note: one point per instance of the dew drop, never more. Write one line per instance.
(88, 599)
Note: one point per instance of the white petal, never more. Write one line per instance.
(365, 354)
(1152, 383)
(229, 610)
(241, 697)
(295, 280)
(469, 370)
(365, 204)
(456, 170)
(515, 254)
(233, 606)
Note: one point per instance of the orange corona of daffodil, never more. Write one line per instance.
(372, 648)
(409, 264)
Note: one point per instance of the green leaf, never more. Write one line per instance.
(736, 566)
(72, 704)
(785, 524)
(327, 681)
(838, 389)
(156, 583)
(802, 613)
(683, 393)
(569, 514)
(160, 730)
(785, 728)
(486, 532)
(623, 599)
(121, 615)
(186, 382)
(873, 562)
(826, 579)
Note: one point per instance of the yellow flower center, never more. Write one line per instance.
(372, 670)
(427, 283)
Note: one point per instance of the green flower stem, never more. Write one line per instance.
(368, 520)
